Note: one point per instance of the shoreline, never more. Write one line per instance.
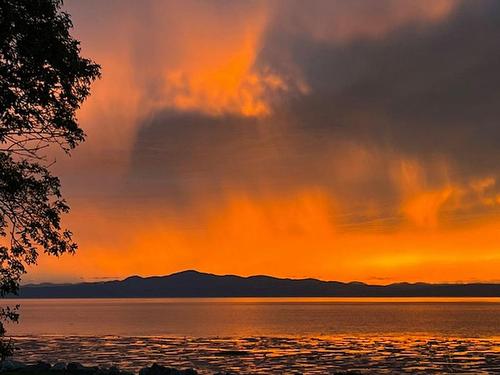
(264, 355)
(9, 367)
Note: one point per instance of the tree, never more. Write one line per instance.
(43, 81)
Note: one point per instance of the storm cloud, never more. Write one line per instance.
(340, 139)
(423, 92)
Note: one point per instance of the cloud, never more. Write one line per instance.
(368, 127)
(424, 209)
(372, 104)
(343, 21)
(427, 93)
(288, 235)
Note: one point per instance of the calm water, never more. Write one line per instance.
(259, 316)
(260, 335)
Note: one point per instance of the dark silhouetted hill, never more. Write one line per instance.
(198, 284)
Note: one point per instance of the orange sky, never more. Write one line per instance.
(271, 138)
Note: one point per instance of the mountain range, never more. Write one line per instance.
(197, 284)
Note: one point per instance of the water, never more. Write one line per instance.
(207, 317)
(259, 335)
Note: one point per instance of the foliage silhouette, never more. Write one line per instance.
(43, 81)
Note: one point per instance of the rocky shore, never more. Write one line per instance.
(11, 367)
(74, 368)
(256, 355)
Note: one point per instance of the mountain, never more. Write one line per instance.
(198, 284)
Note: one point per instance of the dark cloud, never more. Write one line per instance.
(422, 91)
(182, 154)
(182, 157)
(426, 92)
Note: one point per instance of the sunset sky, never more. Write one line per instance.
(338, 139)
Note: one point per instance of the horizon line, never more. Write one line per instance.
(118, 279)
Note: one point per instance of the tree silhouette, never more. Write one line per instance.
(43, 81)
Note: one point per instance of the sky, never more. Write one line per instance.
(338, 139)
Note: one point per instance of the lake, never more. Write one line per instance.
(309, 335)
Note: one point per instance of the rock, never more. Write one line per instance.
(78, 368)
(75, 366)
(113, 370)
(156, 369)
(39, 367)
(59, 366)
(10, 365)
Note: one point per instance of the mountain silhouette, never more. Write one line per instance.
(197, 284)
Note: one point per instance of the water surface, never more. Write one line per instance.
(267, 335)
(203, 317)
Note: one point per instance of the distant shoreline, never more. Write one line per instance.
(366, 299)
(194, 284)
